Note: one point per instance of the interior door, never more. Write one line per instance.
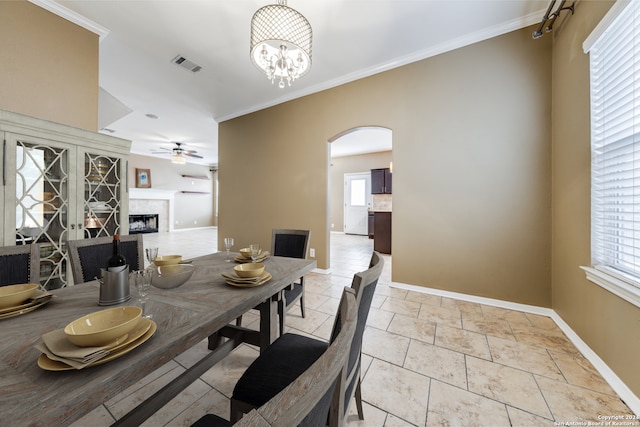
(357, 202)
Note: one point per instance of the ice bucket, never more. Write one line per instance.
(114, 287)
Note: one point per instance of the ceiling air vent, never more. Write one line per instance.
(185, 63)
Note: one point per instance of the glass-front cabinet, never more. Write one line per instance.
(60, 184)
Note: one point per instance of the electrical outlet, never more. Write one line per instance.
(312, 253)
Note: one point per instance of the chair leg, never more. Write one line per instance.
(238, 409)
(281, 314)
(358, 396)
(239, 321)
(302, 297)
(235, 414)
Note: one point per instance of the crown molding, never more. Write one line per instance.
(468, 39)
(71, 16)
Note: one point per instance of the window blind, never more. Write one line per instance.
(615, 146)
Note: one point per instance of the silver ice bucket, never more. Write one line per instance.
(114, 286)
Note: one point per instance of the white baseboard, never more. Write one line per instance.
(607, 373)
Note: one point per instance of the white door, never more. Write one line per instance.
(357, 201)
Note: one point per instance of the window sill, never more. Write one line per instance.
(614, 285)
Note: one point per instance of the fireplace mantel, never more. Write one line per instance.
(149, 194)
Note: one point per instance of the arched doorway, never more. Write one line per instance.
(353, 154)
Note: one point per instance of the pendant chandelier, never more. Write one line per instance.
(281, 43)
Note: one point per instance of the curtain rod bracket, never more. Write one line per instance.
(551, 17)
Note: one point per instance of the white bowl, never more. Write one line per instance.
(14, 295)
(103, 327)
(171, 276)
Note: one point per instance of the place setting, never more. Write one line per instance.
(251, 273)
(252, 254)
(22, 298)
(95, 339)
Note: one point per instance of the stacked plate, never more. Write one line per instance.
(262, 257)
(246, 282)
(59, 354)
(38, 299)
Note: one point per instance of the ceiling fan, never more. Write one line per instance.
(178, 153)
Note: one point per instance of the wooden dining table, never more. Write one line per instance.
(204, 307)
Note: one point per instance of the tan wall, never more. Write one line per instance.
(190, 210)
(350, 164)
(471, 144)
(608, 324)
(49, 66)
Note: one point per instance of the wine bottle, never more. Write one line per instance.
(116, 262)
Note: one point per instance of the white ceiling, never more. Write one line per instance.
(351, 39)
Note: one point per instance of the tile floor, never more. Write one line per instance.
(427, 360)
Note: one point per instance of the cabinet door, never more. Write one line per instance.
(388, 178)
(377, 181)
(102, 187)
(40, 183)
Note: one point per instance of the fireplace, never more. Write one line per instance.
(143, 223)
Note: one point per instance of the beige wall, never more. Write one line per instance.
(190, 210)
(471, 145)
(350, 164)
(608, 324)
(49, 66)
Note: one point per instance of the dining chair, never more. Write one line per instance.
(267, 376)
(293, 244)
(19, 264)
(315, 395)
(88, 256)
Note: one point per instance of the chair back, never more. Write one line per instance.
(364, 285)
(19, 264)
(307, 400)
(290, 243)
(88, 256)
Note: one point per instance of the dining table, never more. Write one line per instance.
(204, 308)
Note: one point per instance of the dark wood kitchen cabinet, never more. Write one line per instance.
(382, 232)
(371, 224)
(381, 181)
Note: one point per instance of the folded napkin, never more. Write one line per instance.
(57, 346)
(235, 278)
(263, 255)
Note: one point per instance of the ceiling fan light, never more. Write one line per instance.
(178, 159)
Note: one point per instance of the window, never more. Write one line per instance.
(358, 192)
(614, 54)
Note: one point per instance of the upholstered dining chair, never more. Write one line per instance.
(88, 256)
(316, 395)
(293, 244)
(268, 375)
(19, 264)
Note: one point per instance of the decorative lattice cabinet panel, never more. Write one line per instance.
(60, 183)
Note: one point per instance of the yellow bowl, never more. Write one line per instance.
(168, 260)
(171, 276)
(245, 252)
(103, 327)
(249, 270)
(14, 295)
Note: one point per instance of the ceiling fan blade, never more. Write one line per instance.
(189, 151)
(159, 152)
(193, 155)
